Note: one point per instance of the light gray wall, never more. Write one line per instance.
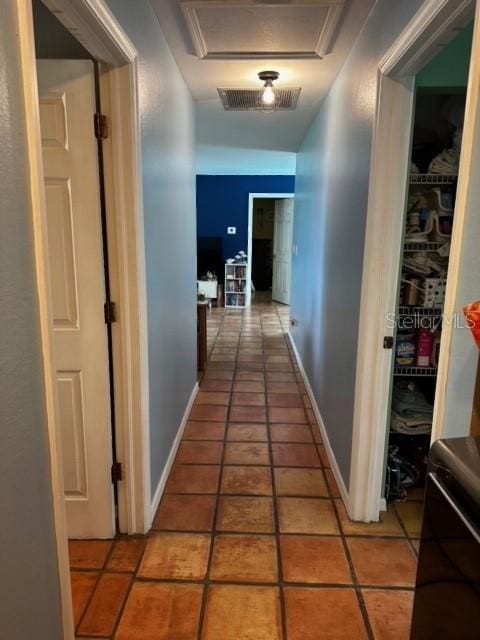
(168, 146)
(167, 122)
(30, 596)
(330, 210)
(463, 354)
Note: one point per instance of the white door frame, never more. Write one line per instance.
(251, 198)
(434, 25)
(96, 28)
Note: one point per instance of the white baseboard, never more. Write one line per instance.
(157, 496)
(321, 427)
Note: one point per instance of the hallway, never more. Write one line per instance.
(153, 152)
(251, 540)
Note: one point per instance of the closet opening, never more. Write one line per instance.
(439, 109)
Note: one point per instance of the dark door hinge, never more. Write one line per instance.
(110, 312)
(388, 342)
(100, 126)
(117, 472)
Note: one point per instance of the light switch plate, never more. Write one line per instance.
(231, 231)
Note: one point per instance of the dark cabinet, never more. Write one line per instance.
(201, 335)
(447, 593)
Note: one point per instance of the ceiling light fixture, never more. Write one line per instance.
(268, 94)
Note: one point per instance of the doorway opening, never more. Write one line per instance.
(436, 149)
(262, 246)
(270, 242)
(68, 247)
(69, 96)
(417, 210)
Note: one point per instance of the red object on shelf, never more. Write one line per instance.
(472, 314)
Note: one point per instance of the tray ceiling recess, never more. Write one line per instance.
(253, 29)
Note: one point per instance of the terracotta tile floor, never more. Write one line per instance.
(251, 540)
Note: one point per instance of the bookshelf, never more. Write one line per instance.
(236, 285)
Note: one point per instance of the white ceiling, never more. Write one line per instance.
(287, 31)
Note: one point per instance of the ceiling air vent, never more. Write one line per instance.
(251, 99)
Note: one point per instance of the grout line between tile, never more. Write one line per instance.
(410, 539)
(283, 609)
(355, 583)
(213, 532)
(266, 341)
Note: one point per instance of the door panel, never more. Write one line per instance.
(282, 250)
(70, 393)
(61, 252)
(74, 231)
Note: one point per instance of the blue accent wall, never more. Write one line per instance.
(222, 201)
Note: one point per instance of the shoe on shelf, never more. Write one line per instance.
(440, 202)
(414, 232)
(441, 228)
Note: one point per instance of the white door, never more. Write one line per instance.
(282, 250)
(70, 157)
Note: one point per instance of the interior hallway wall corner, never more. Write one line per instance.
(333, 171)
(30, 601)
(168, 165)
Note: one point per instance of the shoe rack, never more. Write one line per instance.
(431, 309)
(421, 305)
